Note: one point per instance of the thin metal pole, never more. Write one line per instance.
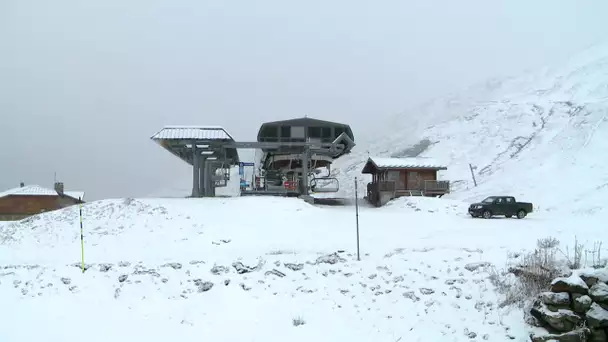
(81, 234)
(357, 218)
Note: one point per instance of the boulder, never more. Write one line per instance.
(562, 320)
(581, 303)
(579, 335)
(592, 276)
(572, 284)
(555, 298)
(599, 292)
(597, 317)
(597, 335)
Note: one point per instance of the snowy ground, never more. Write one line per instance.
(151, 262)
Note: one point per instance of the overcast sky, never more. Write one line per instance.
(84, 84)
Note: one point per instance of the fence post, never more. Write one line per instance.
(473, 174)
(357, 218)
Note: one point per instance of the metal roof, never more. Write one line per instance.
(305, 121)
(37, 190)
(192, 132)
(404, 163)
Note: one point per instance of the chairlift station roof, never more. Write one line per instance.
(179, 141)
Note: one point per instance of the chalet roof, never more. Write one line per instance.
(381, 163)
(192, 132)
(37, 190)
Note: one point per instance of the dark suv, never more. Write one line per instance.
(500, 205)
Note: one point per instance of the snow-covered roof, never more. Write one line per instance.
(403, 163)
(37, 190)
(192, 132)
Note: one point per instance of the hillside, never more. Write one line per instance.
(539, 137)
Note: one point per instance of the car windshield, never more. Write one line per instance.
(489, 200)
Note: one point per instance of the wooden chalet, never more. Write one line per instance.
(396, 177)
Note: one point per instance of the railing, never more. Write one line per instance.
(435, 186)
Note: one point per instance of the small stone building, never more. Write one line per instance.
(27, 200)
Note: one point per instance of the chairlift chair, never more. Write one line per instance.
(334, 185)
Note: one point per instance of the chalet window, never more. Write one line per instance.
(393, 176)
(338, 131)
(270, 133)
(298, 132)
(314, 132)
(285, 131)
(326, 132)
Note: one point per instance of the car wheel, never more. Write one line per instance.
(521, 214)
(508, 216)
(487, 214)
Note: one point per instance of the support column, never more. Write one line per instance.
(203, 176)
(304, 185)
(195, 171)
(208, 181)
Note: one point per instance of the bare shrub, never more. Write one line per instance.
(297, 321)
(533, 272)
(574, 261)
(530, 275)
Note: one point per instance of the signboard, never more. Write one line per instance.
(241, 164)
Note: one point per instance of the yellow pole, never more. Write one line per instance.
(81, 235)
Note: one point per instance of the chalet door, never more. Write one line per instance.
(413, 180)
(402, 180)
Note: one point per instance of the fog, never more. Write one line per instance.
(84, 84)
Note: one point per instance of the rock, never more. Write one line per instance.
(592, 276)
(203, 286)
(275, 272)
(174, 265)
(599, 292)
(196, 262)
(476, 265)
(139, 269)
(426, 291)
(117, 293)
(331, 259)
(122, 278)
(217, 270)
(294, 267)
(579, 335)
(124, 264)
(104, 267)
(245, 287)
(66, 281)
(411, 295)
(581, 303)
(555, 298)
(226, 282)
(562, 320)
(572, 284)
(241, 268)
(597, 317)
(164, 280)
(597, 335)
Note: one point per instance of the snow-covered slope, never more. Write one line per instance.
(222, 269)
(540, 137)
